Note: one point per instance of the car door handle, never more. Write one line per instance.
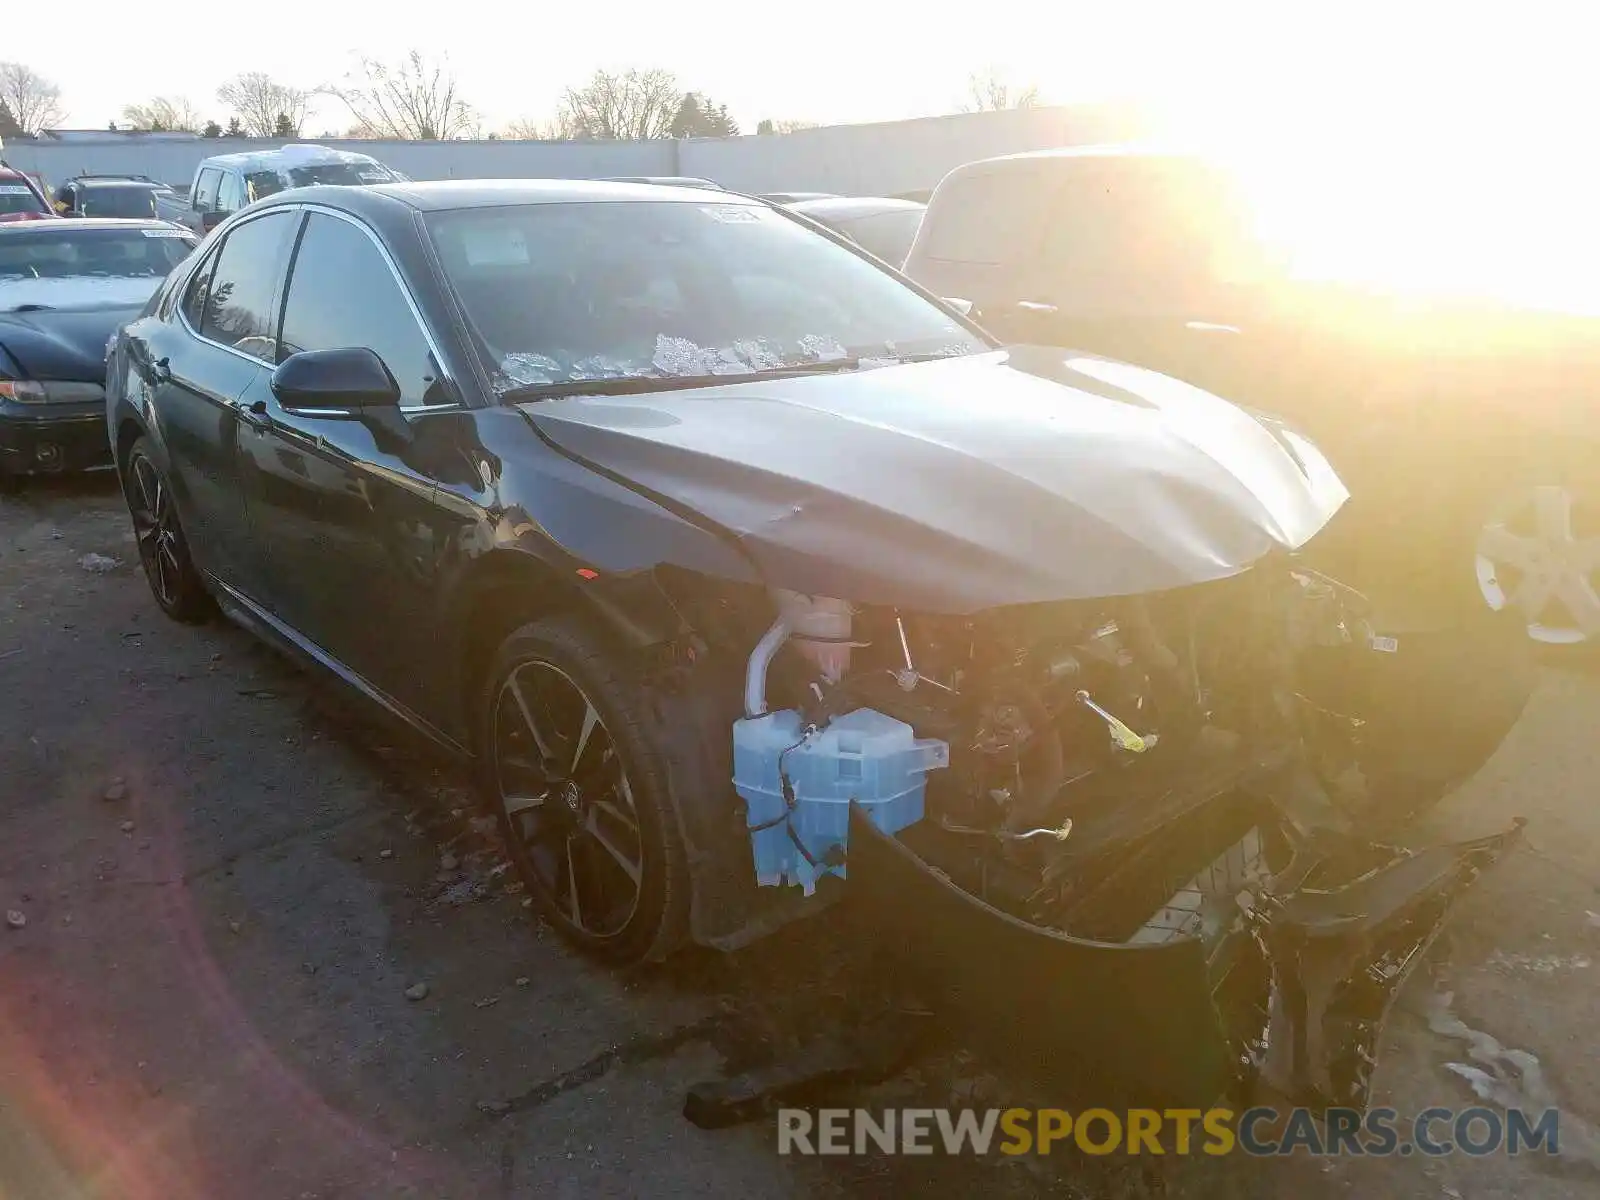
(1037, 306)
(255, 415)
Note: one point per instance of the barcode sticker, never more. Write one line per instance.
(1387, 645)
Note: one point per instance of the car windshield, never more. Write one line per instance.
(103, 201)
(561, 293)
(1146, 233)
(19, 198)
(64, 249)
(277, 179)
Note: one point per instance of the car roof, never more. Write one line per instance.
(116, 183)
(1036, 158)
(101, 223)
(298, 154)
(438, 195)
(848, 208)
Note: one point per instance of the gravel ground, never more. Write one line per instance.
(267, 953)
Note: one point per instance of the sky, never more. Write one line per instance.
(835, 61)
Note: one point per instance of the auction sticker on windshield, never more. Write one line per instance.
(15, 189)
(495, 244)
(165, 233)
(732, 214)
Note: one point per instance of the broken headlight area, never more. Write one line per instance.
(1129, 834)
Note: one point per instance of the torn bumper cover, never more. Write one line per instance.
(1292, 998)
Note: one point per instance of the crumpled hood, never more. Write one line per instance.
(67, 338)
(1010, 477)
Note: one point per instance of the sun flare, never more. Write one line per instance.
(1433, 150)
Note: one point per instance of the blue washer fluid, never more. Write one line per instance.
(863, 756)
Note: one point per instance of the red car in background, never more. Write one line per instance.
(20, 198)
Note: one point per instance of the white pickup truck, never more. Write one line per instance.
(225, 183)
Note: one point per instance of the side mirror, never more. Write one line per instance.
(351, 382)
(210, 220)
(964, 307)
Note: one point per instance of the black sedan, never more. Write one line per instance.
(65, 288)
(880, 225)
(739, 566)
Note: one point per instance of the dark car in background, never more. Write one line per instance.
(65, 289)
(880, 225)
(736, 564)
(689, 181)
(1467, 429)
(134, 197)
(796, 197)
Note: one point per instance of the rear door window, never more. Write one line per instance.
(240, 309)
(205, 189)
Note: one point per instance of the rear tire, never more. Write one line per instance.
(580, 792)
(177, 586)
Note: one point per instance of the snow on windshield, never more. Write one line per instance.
(575, 292)
(676, 357)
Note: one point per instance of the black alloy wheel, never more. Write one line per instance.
(580, 796)
(174, 582)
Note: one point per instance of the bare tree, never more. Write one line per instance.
(784, 125)
(413, 100)
(264, 106)
(529, 129)
(631, 106)
(162, 115)
(989, 91)
(34, 101)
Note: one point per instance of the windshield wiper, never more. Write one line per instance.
(633, 385)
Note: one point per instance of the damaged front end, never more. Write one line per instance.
(1042, 684)
(1131, 840)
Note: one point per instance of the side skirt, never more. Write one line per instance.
(246, 613)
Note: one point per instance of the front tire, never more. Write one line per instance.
(163, 550)
(580, 792)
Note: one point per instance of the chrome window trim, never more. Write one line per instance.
(394, 272)
(411, 304)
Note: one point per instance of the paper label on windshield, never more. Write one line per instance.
(373, 175)
(174, 233)
(495, 244)
(15, 189)
(732, 214)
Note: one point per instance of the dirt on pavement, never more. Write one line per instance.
(269, 949)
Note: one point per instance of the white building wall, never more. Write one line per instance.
(894, 157)
(881, 159)
(175, 162)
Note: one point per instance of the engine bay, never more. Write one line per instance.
(1078, 730)
(1191, 776)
